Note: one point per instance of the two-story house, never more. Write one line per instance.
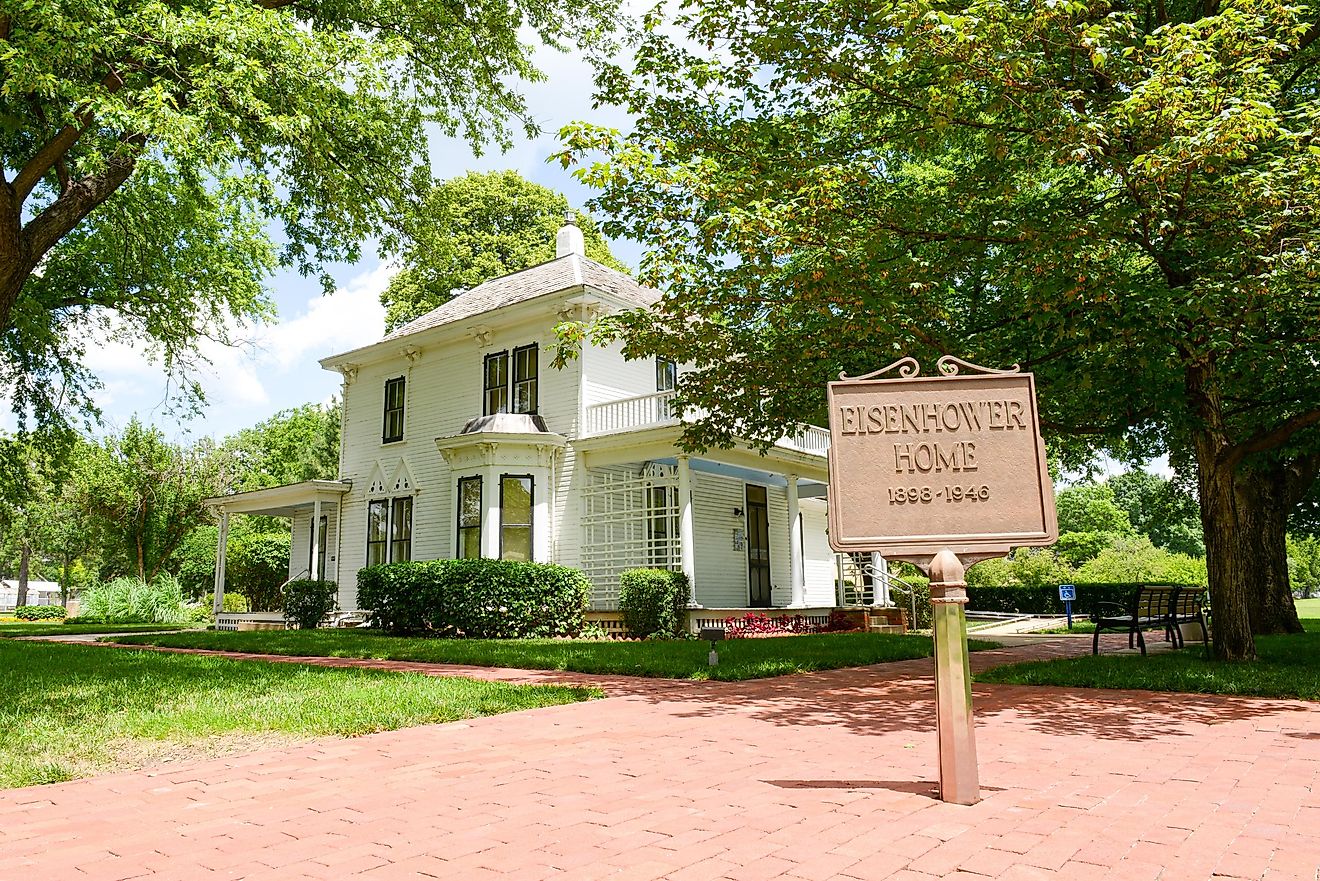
(461, 440)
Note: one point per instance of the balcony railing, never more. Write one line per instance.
(650, 411)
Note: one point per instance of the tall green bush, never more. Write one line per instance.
(307, 602)
(479, 599)
(654, 602)
(133, 601)
(902, 597)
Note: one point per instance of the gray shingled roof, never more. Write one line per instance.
(556, 275)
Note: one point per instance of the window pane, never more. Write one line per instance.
(392, 429)
(401, 530)
(516, 501)
(666, 375)
(377, 516)
(515, 517)
(469, 543)
(516, 543)
(469, 502)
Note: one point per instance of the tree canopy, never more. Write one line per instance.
(1117, 197)
(473, 228)
(145, 148)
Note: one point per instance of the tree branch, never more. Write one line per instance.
(53, 150)
(47, 228)
(1263, 441)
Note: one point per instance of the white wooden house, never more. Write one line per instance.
(460, 440)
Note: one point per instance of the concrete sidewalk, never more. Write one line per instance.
(818, 776)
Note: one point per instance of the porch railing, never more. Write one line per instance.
(649, 411)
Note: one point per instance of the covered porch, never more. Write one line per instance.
(313, 508)
(747, 529)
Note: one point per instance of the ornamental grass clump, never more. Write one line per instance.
(134, 601)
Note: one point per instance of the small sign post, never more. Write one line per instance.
(942, 471)
(1068, 593)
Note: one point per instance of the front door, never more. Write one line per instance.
(758, 547)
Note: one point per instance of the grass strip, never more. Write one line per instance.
(25, 628)
(69, 711)
(679, 659)
(1288, 667)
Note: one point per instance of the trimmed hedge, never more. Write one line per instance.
(39, 613)
(1044, 599)
(902, 598)
(477, 599)
(307, 602)
(654, 602)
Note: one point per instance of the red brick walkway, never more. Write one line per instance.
(821, 776)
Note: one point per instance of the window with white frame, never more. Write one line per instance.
(511, 387)
(666, 375)
(469, 518)
(516, 517)
(392, 427)
(389, 530)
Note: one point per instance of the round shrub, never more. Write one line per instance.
(40, 613)
(477, 599)
(654, 602)
(307, 602)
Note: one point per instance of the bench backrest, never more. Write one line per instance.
(1189, 601)
(1154, 601)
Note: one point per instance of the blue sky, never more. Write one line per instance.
(277, 368)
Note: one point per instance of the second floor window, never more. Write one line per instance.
(666, 375)
(497, 383)
(393, 427)
(513, 390)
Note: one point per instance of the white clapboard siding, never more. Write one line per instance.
(608, 376)
(818, 560)
(443, 391)
(721, 574)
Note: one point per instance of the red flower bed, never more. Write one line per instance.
(756, 624)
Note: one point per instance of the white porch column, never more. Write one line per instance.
(221, 545)
(686, 548)
(796, 576)
(879, 583)
(490, 514)
(316, 538)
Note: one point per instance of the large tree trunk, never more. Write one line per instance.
(1264, 504)
(25, 556)
(1226, 554)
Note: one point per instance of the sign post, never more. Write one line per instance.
(942, 471)
(1068, 593)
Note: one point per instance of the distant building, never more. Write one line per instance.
(40, 593)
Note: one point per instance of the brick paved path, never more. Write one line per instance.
(821, 776)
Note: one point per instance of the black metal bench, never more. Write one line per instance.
(1189, 608)
(1153, 607)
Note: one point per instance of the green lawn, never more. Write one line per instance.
(48, 628)
(1308, 608)
(69, 711)
(1289, 666)
(683, 659)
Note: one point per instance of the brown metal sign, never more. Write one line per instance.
(919, 464)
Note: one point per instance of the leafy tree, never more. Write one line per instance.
(1119, 198)
(301, 443)
(256, 562)
(473, 228)
(145, 496)
(147, 145)
(1090, 507)
(1161, 510)
(1304, 563)
(38, 509)
(1029, 567)
(1135, 559)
